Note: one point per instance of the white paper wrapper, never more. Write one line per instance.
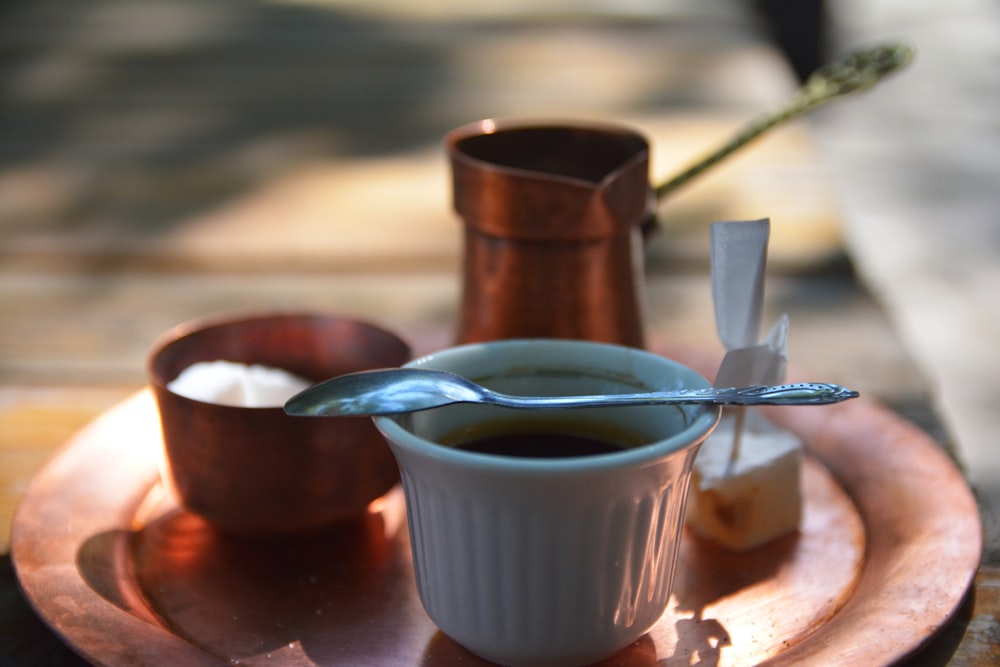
(739, 265)
(739, 260)
(745, 489)
(766, 363)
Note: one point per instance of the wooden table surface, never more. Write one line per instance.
(146, 183)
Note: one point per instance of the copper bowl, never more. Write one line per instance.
(257, 470)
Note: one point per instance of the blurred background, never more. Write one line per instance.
(153, 125)
(917, 172)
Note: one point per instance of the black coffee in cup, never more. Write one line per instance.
(544, 439)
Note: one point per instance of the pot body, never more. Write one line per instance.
(553, 218)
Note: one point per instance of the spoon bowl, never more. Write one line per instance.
(401, 390)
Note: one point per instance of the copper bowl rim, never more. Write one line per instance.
(201, 323)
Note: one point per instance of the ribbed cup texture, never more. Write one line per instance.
(506, 576)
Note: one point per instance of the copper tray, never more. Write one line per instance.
(889, 545)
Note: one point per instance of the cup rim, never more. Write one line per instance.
(706, 419)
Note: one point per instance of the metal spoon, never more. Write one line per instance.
(400, 390)
(856, 72)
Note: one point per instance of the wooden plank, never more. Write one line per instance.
(394, 213)
(63, 331)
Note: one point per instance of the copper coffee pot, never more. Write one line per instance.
(553, 213)
(553, 217)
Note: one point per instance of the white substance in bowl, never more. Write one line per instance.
(230, 383)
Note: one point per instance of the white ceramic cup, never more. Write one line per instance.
(557, 561)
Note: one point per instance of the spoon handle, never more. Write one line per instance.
(802, 393)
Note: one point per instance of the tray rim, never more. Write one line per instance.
(896, 639)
